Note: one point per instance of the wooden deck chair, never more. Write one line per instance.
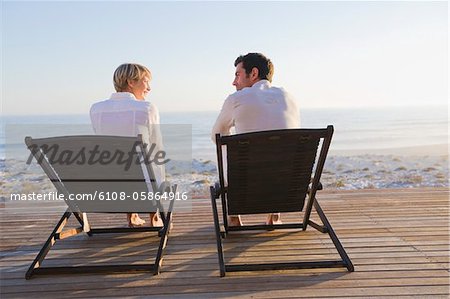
(71, 165)
(270, 172)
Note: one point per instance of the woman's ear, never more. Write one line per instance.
(130, 83)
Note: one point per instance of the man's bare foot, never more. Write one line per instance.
(234, 221)
(134, 220)
(274, 219)
(155, 220)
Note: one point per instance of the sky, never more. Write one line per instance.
(58, 57)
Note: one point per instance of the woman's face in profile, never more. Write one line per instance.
(140, 88)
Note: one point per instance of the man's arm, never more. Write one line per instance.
(225, 120)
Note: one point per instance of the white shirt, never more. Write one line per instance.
(257, 108)
(124, 115)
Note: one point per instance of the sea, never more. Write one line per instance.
(355, 129)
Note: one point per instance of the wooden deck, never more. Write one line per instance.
(398, 241)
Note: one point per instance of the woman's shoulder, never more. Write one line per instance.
(99, 105)
(139, 105)
(148, 106)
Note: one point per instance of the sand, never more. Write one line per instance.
(423, 166)
(424, 150)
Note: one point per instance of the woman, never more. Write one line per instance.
(126, 113)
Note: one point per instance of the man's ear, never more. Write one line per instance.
(254, 73)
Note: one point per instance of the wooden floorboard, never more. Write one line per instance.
(398, 241)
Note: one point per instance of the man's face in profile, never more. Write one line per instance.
(241, 79)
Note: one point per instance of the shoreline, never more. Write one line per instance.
(407, 167)
(418, 150)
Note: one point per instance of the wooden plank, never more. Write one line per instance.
(397, 239)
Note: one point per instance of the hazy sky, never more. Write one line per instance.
(59, 57)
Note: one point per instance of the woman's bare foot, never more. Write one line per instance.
(234, 221)
(273, 219)
(134, 220)
(155, 220)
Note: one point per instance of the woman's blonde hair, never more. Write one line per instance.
(129, 71)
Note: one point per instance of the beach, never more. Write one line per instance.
(394, 169)
(413, 167)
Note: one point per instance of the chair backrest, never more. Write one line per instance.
(109, 171)
(270, 171)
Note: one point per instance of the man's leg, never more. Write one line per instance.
(234, 220)
(274, 218)
(134, 220)
(155, 220)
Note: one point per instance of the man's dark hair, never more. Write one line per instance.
(258, 60)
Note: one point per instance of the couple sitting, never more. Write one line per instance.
(255, 106)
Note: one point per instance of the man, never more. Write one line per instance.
(256, 106)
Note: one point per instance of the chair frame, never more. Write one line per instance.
(59, 233)
(220, 191)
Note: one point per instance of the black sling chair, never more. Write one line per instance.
(271, 172)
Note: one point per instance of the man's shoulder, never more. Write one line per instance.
(243, 93)
(277, 89)
(240, 93)
(249, 91)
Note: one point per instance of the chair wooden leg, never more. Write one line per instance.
(79, 217)
(162, 243)
(218, 235)
(320, 228)
(325, 228)
(333, 237)
(48, 245)
(58, 234)
(163, 214)
(83, 220)
(307, 212)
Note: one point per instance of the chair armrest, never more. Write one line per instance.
(167, 187)
(319, 187)
(217, 190)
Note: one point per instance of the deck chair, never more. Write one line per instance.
(66, 161)
(270, 172)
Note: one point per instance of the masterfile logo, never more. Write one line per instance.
(98, 155)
